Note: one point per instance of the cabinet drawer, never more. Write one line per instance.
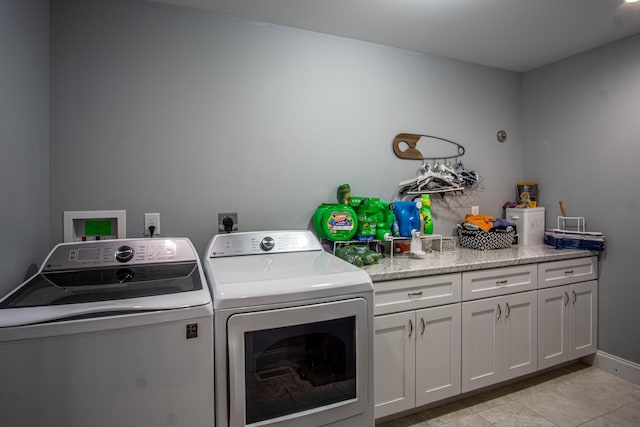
(420, 292)
(498, 281)
(556, 273)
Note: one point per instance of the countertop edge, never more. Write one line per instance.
(460, 260)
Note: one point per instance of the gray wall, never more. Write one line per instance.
(24, 138)
(188, 114)
(580, 118)
(162, 109)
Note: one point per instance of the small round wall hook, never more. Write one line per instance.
(501, 135)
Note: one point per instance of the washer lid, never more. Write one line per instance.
(104, 284)
(242, 281)
(101, 285)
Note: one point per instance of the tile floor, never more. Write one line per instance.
(574, 395)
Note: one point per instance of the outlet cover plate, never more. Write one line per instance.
(149, 220)
(234, 218)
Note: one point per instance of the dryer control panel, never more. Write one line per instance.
(260, 242)
(106, 253)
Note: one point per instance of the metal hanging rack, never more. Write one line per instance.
(442, 178)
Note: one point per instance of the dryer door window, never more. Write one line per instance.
(304, 362)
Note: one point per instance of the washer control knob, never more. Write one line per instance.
(267, 243)
(124, 253)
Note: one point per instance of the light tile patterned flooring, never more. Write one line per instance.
(574, 395)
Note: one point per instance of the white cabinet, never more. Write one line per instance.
(442, 335)
(498, 281)
(564, 272)
(394, 296)
(567, 310)
(416, 352)
(394, 361)
(499, 339)
(567, 322)
(417, 358)
(437, 353)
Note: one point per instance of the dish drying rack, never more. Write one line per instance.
(571, 233)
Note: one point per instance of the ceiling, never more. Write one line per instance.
(516, 35)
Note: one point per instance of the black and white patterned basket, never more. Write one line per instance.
(482, 240)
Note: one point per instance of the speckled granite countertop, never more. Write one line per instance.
(402, 267)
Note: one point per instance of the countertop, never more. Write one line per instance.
(402, 266)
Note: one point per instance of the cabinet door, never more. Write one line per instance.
(394, 358)
(437, 353)
(481, 343)
(584, 318)
(553, 326)
(520, 338)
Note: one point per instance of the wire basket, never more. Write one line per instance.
(571, 234)
(483, 240)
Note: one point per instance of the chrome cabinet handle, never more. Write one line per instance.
(499, 312)
(575, 297)
(410, 328)
(415, 294)
(424, 326)
(508, 310)
(501, 282)
(567, 301)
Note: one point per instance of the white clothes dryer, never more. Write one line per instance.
(293, 332)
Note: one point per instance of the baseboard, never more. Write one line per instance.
(614, 365)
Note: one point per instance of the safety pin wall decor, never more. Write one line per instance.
(410, 152)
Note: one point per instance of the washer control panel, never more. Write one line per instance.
(261, 242)
(106, 253)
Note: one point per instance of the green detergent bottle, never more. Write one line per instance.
(425, 214)
(385, 219)
(334, 221)
(366, 219)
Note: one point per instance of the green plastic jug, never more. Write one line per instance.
(335, 222)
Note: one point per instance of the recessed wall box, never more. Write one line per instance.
(94, 225)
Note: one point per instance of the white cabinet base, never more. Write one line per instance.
(394, 360)
(583, 320)
(511, 321)
(520, 345)
(437, 353)
(481, 343)
(567, 322)
(417, 358)
(499, 339)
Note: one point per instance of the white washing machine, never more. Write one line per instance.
(293, 332)
(109, 333)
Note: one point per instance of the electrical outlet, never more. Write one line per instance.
(226, 220)
(151, 219)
